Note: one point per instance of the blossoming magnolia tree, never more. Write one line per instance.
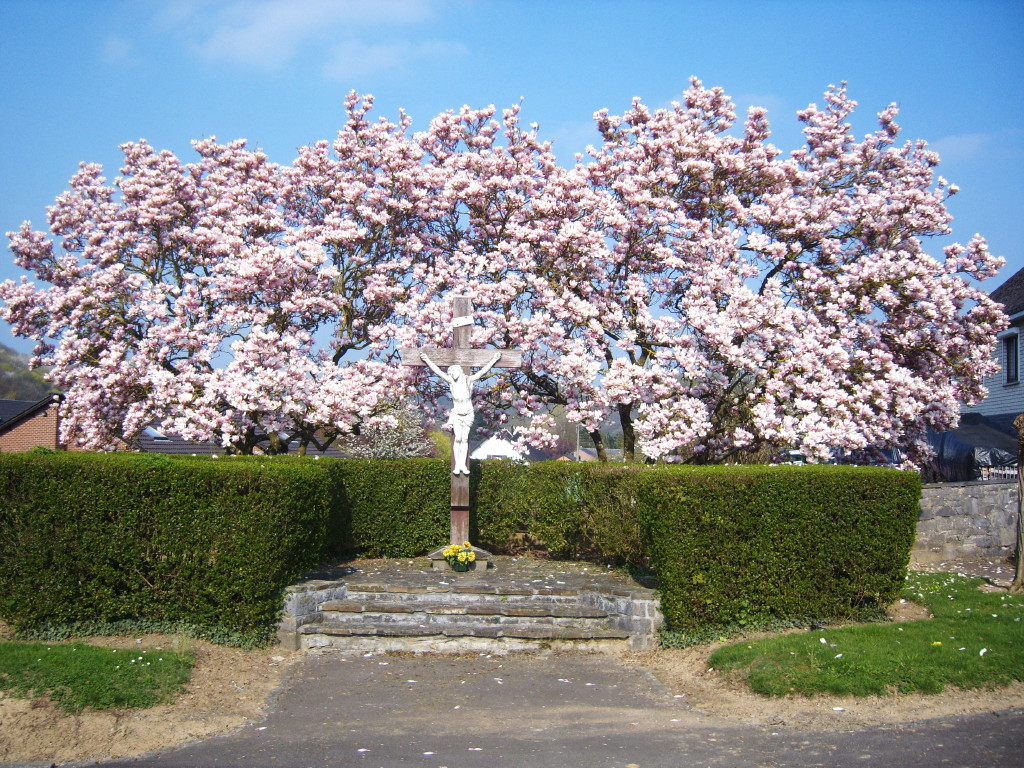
(749, 298)
(722, 298)
(191, 295)
(501, 211)
(717, 296)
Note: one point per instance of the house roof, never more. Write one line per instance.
(11, 408)
(153, 440)
(589, 454)
(496, 448)
(1011, 293)
(14, 412)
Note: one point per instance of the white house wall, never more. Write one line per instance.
(1002, 397)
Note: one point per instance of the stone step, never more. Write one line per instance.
(409, 630)
(438, 602)
(461, 593)
(347, 613)
(569, 611)
(463, 589)
(401, 606)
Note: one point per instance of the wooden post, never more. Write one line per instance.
(459, 530)
(462, 354)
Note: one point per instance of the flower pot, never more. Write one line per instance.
(460, 567)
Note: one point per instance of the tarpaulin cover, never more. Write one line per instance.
(979, 442)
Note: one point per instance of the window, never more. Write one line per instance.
(1010, 359)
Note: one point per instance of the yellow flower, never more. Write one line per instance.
(471, 556)
(467, 545)
(937, 642)
(462, 557)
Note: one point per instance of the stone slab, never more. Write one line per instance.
(557, 603)
(438, 562)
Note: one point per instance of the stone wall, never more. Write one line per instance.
(964, 520)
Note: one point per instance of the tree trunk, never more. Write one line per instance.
(602, 454)
(278, 447)
(1018, 578)
(628, 435)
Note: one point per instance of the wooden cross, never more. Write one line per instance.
(463, 355)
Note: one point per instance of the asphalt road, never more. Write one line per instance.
(339, 710)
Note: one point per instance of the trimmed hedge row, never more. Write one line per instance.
(101, 537)
(574, 511)
(107, 537)
(393, 508)
(400, 508)
(751, 544)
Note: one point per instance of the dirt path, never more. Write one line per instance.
(230, 688)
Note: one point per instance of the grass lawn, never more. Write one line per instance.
(976, 640)
(77, 676)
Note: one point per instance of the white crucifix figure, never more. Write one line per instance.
(460, 418)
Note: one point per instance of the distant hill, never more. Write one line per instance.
(17, 382)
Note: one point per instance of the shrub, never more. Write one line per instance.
(107, 537)
(103, 539)
(766, 543)
(574, 511)
(401, 508)
(395, 508)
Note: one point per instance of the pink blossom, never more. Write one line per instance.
(716, 295)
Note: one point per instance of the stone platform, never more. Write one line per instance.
(519, 603)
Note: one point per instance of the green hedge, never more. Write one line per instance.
(400, 508)
(101, 537)
(106, 537)
(393, 508)
(584, 511)
(752, 544)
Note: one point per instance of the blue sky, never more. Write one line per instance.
(79, 78)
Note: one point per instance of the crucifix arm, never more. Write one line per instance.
(434, 368)
(486, 369)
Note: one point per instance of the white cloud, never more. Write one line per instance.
(353, 58)
(569, 138)
(266, 34)
(776, 106)
(1002, 145)
(117, 50)
(966, 146)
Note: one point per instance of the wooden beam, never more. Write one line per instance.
(462, 322)
(472, 358)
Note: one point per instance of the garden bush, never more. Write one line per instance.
(393, 508)
(575, 511)
(108, 537)
(97, 539)
(401, 507)
(753, 544)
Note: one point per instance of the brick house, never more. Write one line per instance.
(25, 424)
